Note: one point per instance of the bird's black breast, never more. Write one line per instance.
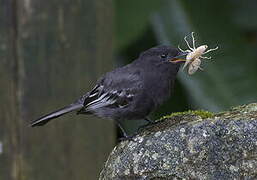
(158, 82)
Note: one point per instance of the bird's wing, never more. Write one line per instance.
(113, 91)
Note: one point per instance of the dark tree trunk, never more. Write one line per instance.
(51, 52)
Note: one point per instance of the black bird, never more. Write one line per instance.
(129, 92)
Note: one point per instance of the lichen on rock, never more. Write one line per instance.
(190, 146)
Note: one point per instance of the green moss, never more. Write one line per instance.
(203, 114)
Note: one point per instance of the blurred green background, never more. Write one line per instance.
(51, 52)
(229, 79)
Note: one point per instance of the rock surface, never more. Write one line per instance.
(187, 146)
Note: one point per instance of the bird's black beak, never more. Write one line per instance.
(180, 58)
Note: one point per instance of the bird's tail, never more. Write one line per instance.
(44, 119)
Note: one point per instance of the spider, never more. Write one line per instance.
(194, 56)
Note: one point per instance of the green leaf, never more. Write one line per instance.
(230, 78)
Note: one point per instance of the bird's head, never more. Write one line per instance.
(163, 55)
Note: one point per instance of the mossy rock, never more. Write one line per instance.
(190, 145)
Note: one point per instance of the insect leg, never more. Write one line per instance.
(211, 50)
(193, 39)
(203, 57)
(181, 49)
(188, 61)
(185, 38)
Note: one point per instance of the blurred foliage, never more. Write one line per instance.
(230, 78)
(227, 80)
(132, 18)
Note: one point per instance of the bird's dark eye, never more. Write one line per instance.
(163, 56)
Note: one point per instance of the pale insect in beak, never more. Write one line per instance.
(195, 55)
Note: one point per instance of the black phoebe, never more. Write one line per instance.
(129, 92)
